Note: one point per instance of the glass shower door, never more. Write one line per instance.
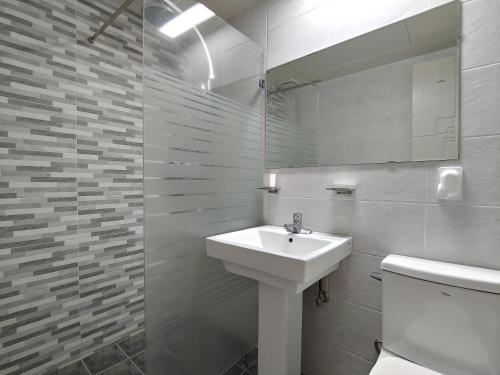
(203, 122)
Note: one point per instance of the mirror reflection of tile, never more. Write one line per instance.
(386, 96)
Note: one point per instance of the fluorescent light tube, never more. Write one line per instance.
(186, 20)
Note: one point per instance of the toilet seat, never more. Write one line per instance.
(388, 364)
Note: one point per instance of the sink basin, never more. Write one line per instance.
(272, 255)
(284, 264)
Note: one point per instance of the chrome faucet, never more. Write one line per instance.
(296, 226)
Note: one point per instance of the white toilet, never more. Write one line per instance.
(439, 318)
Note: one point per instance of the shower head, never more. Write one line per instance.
(157, 13)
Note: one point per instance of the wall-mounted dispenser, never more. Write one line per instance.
(269, 183)
(450, 183)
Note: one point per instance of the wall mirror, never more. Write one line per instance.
(390, 95)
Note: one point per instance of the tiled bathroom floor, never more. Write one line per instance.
(246, 365)
(127, 358)
(123, 358)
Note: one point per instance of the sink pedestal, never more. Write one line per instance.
(280, 331)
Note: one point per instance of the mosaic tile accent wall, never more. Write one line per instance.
(71, 232)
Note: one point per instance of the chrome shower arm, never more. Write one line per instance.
(110, 20)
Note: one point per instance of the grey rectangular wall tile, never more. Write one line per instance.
(480, 26)
(380, 228)
(71, 248)
(110, 141)
(388, 182)
(38, 239)
(278, 211)
(322, 358)
(480, 107)
(353, 282)
(354, 328)
(479, 158)
(466, 234)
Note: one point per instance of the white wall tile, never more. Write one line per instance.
(289, 41)
(353, 283)
(464, 234)
(480, 105)
(480, 158)
(247, 93)
(316, 320)
(356, 17)
(354, 328)
(481, 28)
(385, 182)
(222, 38)
(281, 11)
(436, 3)
(343, 324)
(323, 358)
(381, 228)
(304, 182)
(240, 63)
(261, 41)
(388, 182)
(316, 212)
(251, 21)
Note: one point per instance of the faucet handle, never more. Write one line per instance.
(297, 218)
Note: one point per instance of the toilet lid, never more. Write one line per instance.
(398, 366)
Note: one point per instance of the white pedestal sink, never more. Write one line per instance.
(284, 264)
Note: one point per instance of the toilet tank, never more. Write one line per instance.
(442, 316)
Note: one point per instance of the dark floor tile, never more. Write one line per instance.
(104, 358)
(235, 370)
(134, 344)
(140, 360)
(248, 359)
(253, 369)
(125, 367)
(75, 368)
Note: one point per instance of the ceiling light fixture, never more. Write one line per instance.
(186, 20)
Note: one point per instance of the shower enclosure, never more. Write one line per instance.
(203, 125)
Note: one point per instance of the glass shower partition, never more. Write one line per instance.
(203, 160)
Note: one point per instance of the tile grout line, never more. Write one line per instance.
(121, 350)
(110, 367)
(426, 210)
(130, 357)
(480, 136)
(353, 200)
(78, 245)
(408, 203)
(362, 306)
(137, 367)
(293, 18)
(85, 366)
(482, 66)
(351, 353)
